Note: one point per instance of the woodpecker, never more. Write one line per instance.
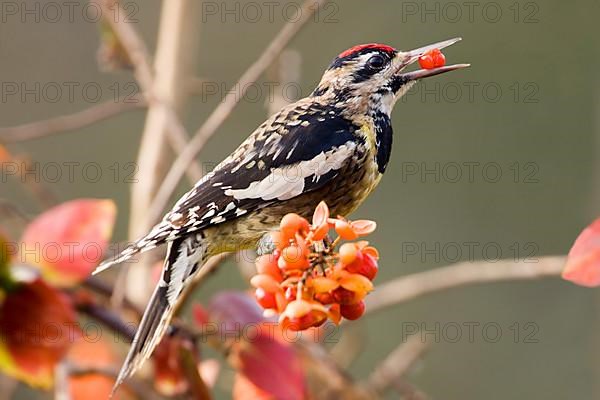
(332, 146)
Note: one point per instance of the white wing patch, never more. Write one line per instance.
(190, 253)
(284, 183)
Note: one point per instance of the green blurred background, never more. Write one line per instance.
(529, 103)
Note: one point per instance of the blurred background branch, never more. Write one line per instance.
(409, 287)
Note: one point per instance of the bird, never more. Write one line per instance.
(333, 145)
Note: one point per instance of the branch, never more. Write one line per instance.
(61, 382)
(220, 114)
(109, 319)
(38, 189)
(397, 364)
(350, 345)
(412, 286)
(71, 122)
(140, 58)
(132, 43)
(330, 378)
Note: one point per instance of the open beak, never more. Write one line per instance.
(413, 55)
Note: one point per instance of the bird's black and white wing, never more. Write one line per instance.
(296, 151)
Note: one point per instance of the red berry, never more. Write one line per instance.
(426, 61)
(324, 298)
(344, 296)
(265, 299)
(312, 319)
(432, 59)
(439, 60)
(366, 265)
(352, 311)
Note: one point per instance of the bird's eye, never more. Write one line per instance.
(376, 62)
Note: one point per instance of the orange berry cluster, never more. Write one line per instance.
(309, 277)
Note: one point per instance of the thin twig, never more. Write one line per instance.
(71, 122)
(327, 379)
(197, 386)
(8, 208)
(61, 382)
(286, 71)
(350, 345)
(397, 364)
(95, 284)
(132, 43)
(109, 319)
(222, 111)
(140, 58)
(412, 286)
(38, 189)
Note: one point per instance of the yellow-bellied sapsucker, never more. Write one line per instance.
(333, 145)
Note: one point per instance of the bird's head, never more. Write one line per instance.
(373, 75)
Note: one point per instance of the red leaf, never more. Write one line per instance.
(67, 241)
(270, 363)
(583, 261)
(260, 351)
(4, 154)
(38, 325)
(91, 353)
(244, 389)
(200, 314)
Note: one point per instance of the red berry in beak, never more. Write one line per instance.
(432, 59)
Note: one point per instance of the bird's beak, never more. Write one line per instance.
(411, 56)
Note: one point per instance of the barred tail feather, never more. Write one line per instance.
(157, 236)
(184, 255)
(153, 326)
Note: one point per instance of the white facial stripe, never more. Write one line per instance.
(286, 182)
